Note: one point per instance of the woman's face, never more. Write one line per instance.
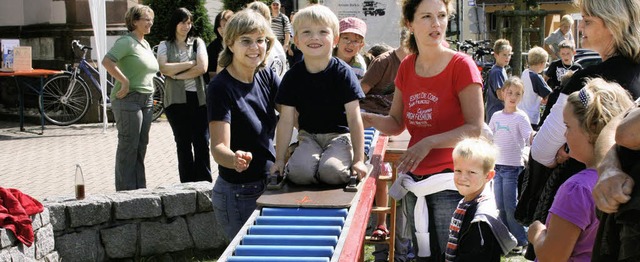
(183, 28)
(429, 23)
(349, 46)
(577, 138)
(595, 35)
(249, 50)
(144, 24)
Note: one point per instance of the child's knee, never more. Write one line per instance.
(301, 174)
(334, 172)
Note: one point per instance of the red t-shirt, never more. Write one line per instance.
(432, 106)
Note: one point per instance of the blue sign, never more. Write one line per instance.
(472, 2)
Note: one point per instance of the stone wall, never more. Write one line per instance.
(42, 248)
(131, 224)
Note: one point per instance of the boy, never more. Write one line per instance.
(497, 75)
(325, 94)
(511, 133)
(557, 70)
(536, 90)
(476, 233)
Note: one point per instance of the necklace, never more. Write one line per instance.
(566, 67)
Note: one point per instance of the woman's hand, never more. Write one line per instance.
(242, 160)
(562, 155)
(124, 90)
(413, 156)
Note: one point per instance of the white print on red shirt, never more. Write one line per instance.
(421, 109)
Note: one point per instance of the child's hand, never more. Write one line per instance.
(360, 169)
(242, 160)
(278, 166)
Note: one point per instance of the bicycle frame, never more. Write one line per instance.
(89, 70)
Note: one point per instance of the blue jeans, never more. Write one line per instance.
(233, 204)
(191, 133)
(133, 115)
(441, 208)
(506, 191)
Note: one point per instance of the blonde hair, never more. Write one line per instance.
(261, 8)
(597, 103)
(622, 18)
(317, 14)
(537, 55)
(513, 82)
(134, 14)
(477, 148)
(501, 45)
(566, 20)
(567, 44)
(245, 22)
(409, 8)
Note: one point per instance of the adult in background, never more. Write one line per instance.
(563, 33)
(132, 63)
(183, 60)
(242, 119)
(438, 99)
(215, 47)
(280, 25)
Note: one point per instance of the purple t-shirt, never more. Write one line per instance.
(574, 203)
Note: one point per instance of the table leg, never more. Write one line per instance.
(40, 90)
(21, 103)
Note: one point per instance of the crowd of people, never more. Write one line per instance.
(479, 179)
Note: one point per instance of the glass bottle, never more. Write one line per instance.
(79, 183)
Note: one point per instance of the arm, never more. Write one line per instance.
(556, 242)
(185, 70)
(627, 132)
(391, 124)
(550, 137)
(284, 130)
(171, 69)
(220, 133)
(113, 69)
(469, 249)
(357, 137)
(472, 110)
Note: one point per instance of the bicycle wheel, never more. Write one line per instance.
(63, 104)
(158, 97)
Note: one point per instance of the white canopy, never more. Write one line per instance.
(99, 23)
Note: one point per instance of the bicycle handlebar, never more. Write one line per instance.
(75, 43)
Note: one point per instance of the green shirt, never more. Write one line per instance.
(136, 61)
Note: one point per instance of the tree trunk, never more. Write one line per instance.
(516, 59)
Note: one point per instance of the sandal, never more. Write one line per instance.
(380, 233)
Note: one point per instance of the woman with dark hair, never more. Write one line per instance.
(183, 60)
(215, 47)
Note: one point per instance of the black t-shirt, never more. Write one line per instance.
(320, 98)
(250, 111)
(616, 69)
(557, 70)
(213, 51)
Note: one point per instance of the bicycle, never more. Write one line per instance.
(66, 97)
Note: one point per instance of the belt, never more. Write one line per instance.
(417, 178)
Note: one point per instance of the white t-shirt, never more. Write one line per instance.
(277, 59)
(189, 84)
(534, 90)
(511, 132)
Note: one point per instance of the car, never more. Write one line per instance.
(587, 61)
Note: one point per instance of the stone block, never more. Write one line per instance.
(82, 246)
(45, 216)
(45, 241)
(5, 254)
(16, 255)
(7, 239)
(178, 202)
(29, 253)
(93, 210)
(132, 205)
(203, 193)
(52, 257)
(57, 216)
(158, 238)
(36, 221)
(121, 241)
(205, 232)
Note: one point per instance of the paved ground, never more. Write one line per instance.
(44, 165)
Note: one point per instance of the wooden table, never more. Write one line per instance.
(20, 78)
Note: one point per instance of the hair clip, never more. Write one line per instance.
(584, 97)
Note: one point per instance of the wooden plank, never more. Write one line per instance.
(307, 196)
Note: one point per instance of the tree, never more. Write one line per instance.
(163, 10)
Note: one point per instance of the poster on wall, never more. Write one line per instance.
(381, 16)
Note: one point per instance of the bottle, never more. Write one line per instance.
(79, 183)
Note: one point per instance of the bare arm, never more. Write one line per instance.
(284, 130)
(220, 133)
(357, 136)
(627, 132)
(391, 124)
(556, 242)
(114, 71)
(365, 87)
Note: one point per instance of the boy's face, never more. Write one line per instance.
(469, 177)
(503, 57)
(511, 96)
(315, 40)
(566, 54)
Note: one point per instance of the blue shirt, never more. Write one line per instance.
(497, 76)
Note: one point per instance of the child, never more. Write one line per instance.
(570, 229)
(497, 76)
(536, 90)
(325, 92)
(476, 233)
(352, 34)
(557, 70)
(511, 133)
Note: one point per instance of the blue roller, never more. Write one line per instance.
(326, 212)
(300, 221)
(295, 230)
(276, 259)
(290, 240)
(290, 251)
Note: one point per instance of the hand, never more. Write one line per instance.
(278, 166)
(412, 158)
(124, 91)
(360, 169)
(562, 155)
(534, 230)
(242, 160)
(367, 119)
(613, 189)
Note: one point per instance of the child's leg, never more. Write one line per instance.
(497, 190)
(335, 162)
(510, 194)
(303, 163)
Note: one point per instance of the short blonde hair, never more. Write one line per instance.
(501, 45)
(134, 14)
(477, 148)
(245, 22)
(566, 20)
(317, 14)
(261, 8)
(597, 103)
(567, 44)
(513, 82)
(537, 55)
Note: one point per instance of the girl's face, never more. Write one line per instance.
(183, 28)
(503, 57)
(144, 24)
(349, 46)
(429, 23)
(315, 40)
(577, 138)
(595, 35)
(469, 177)
(511, 96)
(249, 50)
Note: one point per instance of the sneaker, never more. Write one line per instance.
(518, 250)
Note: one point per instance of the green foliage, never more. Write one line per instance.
(163, 10)
(237, 5)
